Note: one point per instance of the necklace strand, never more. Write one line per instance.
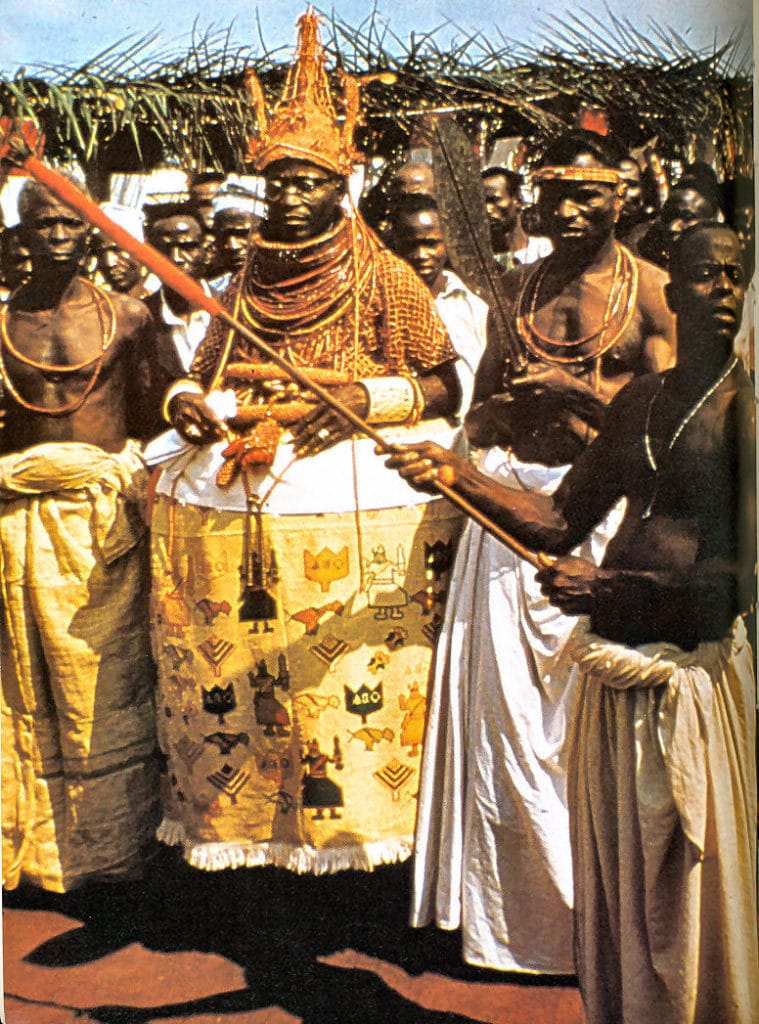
(623, 287)
(684, 421)
(107, 335)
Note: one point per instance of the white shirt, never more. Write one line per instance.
(465, 316)
(186, 334)
(537, 247)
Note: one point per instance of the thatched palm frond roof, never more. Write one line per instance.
(134, 104)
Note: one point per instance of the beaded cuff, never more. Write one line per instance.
(391, 399)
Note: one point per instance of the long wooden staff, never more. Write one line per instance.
(180, 282)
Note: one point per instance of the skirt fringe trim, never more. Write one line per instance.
(300, 859)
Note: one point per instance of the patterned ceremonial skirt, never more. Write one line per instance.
(292, 716)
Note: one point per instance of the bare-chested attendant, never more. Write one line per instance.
(492, 852)
(80, 795)
(662, 768)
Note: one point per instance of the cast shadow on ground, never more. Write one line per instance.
(274, 925)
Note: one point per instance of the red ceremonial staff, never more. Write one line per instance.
(15, 148)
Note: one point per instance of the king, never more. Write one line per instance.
(262, 475)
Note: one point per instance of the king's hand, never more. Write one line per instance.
(325, 427)
(193, 418)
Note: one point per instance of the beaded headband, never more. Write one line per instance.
(603, 175)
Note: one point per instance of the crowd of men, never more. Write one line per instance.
(574, 769)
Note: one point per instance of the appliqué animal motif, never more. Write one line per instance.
(312, 704)
(284, 801)
(211, 609)
(311, 617)
(227, 741)
(371, 737)
(377, 662)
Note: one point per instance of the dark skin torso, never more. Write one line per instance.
(681, 573)
(60, 326)
(549, 413)
(679, 446)
(686, 564)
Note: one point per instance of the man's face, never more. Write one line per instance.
(180, 239)
(120, 270)
(419, 241)
(578, 216)
(55, 235)
(502, 207)
(232, 229)
(16, 268)
(415, 178)
(684, 207)
(709, 289)
(302, 199)
(201, 199)
(632, 195)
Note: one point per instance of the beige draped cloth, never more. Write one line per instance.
(662, 782)
(79, 772)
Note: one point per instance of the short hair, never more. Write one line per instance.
(690, 185)
(411, 203)
(205, 178)
(703, 179)
(512, 178)
(35, 194)
(677, 255)
(567, 147)
(155, 212)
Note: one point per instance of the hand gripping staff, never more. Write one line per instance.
(15, 148)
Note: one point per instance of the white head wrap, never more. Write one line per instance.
(232, 196)
(126, 217)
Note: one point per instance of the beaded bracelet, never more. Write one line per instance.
(391, 399)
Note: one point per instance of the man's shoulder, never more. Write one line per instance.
(636, 394)
(152, 303)
(454, 286)
(132, 313)
(649, 274)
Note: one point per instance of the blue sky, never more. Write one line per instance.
(70, 31)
